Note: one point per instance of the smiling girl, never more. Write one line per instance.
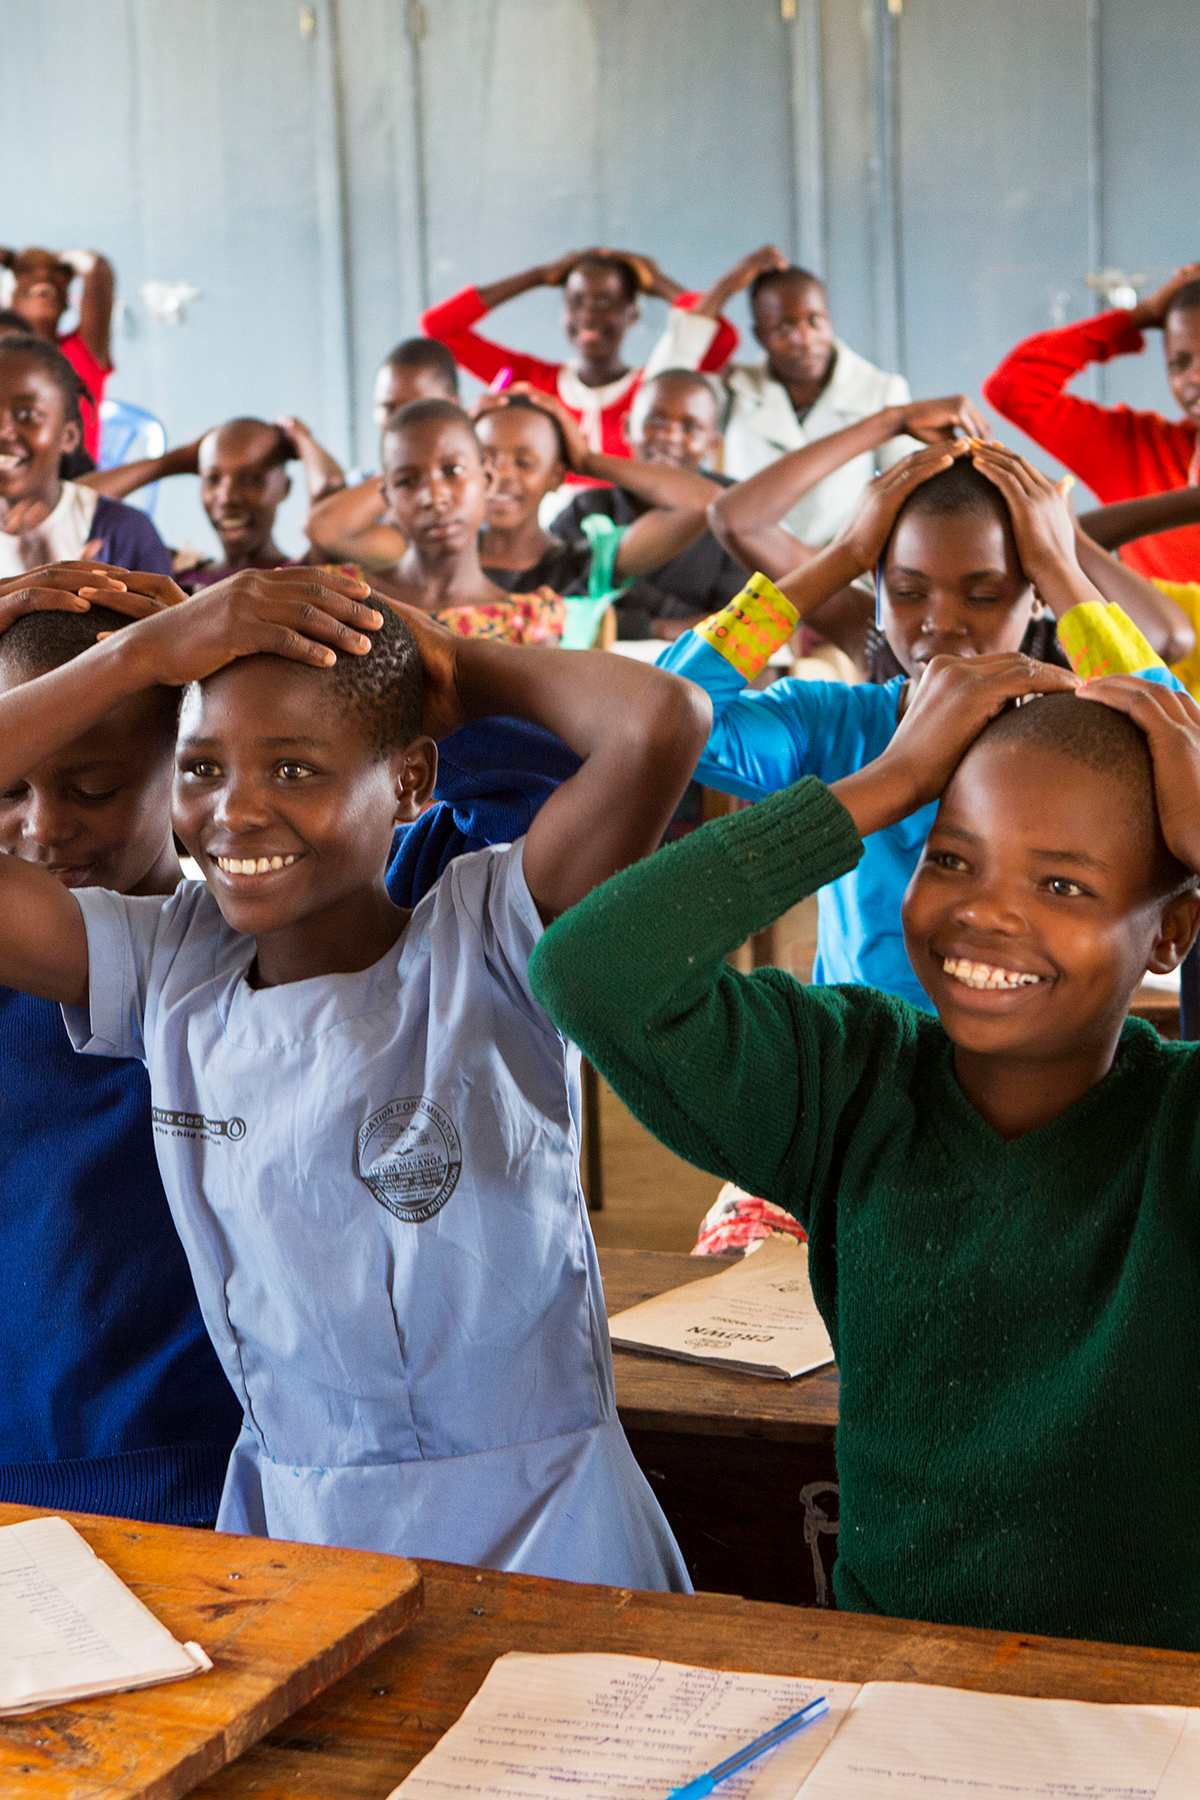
(44, 519)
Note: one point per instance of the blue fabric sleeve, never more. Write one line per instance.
(128, 540)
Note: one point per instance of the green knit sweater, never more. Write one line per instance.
(1017, 1324)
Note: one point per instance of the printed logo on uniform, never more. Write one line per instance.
(410, 1157)
(195, 1125)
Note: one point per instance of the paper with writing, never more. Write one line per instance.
(759, 1317)
(620, 1728)
(900, 1738)
(69, 1627)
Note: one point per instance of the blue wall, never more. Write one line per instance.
(317, 171)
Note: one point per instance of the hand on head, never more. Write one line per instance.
(1152, 310)
(577, 445)
(1171, 723)
(1042, 521)
(441, 704)
(869, 526)
(73, 586)
(934, 421)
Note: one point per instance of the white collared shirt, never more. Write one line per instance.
(762, 424)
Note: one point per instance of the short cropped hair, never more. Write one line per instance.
(1187, 299)
(776, 277)
(522, 403)
(695, 378)
(277, 456)
(426, 353)
(53, 363)
(962, 488)
(385, 687)
(428, 412)
(629, 280)
(40, 641)
(13, 321)
(1100, 738)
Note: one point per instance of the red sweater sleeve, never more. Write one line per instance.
(450, 323)
(1118, 452)
(722, 346)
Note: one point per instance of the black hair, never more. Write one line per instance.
(55, 365)
(13, 321)
(428, 412)
(40, 641)
(626, 270)
(1187, 299)
(244, 422)
(774, 277)
(386, 686)
(522, 403)
(962, 488)
(1100, 738)
(426, 353)
(694, 378)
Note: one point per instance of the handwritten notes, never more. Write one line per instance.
(631, 1728)
(759, 1317)
(901, 1738)
(69, 1627)
(620, 1728)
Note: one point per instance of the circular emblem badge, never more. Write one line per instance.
(410, 1157)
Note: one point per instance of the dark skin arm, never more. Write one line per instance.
(638, 730)
(743, 272)
(43, 943)
(348, 526)
(677, 496)
(95, 308)
(127, 478)
(1112, 526)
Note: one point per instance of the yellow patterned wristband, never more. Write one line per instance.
(1101, 639)
(751, 628)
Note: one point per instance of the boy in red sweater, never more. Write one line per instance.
(1120, 453)
(601, 289)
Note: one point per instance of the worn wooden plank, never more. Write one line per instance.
(365, 1734)
(280, 1621)
(656, 1394)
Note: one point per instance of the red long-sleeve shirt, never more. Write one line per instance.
(451, 322)
(1121, 454)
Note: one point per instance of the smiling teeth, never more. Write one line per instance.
(984, 976)
(250, 865)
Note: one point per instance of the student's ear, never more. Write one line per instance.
(71, 439)
(415, 770)
(287, 488)
(1177, 932)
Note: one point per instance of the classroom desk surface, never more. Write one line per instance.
(364, 1735)
(744, 1467)
(656, 1394)
(280, 1622)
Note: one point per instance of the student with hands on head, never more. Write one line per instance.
(601, 290)
(983, 1388)
(113, 1399)
(354, 1165)
(40, 294)
(968, 543)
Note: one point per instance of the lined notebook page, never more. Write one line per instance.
(69, 1627)
(620, 1728)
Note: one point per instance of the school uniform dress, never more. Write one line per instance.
(126, 538)
(375, 1180)
(1016, 1323)
(762, 424)
(1119, 451)
(600, 411)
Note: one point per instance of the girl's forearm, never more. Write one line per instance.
(497, 292)
(656, 483)
(764, 499)
(39, 717)
(1111, 526)
(1165, 626)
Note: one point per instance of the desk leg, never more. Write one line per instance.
(593, 1152)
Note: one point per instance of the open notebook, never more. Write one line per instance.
(70, 1628)
(631, 1728)
(759, 1317)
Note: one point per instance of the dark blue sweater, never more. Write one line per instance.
(111, 1396)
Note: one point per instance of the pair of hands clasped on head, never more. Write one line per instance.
(301, 614)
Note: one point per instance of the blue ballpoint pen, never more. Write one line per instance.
(704, 1784)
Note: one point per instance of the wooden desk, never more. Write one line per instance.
(1160, 1006)
(743, 1467)
(280, 1622)
(368, 1732)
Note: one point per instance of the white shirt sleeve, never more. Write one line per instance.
(683, 343)
(897, 448)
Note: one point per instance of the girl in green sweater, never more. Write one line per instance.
(1004, 1233)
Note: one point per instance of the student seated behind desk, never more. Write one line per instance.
(998, 1408)
(244, 481)
(113, 1400)
(439, 484)
(968, 542)
(44, 518)
(673, 423)
(384, 1221)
